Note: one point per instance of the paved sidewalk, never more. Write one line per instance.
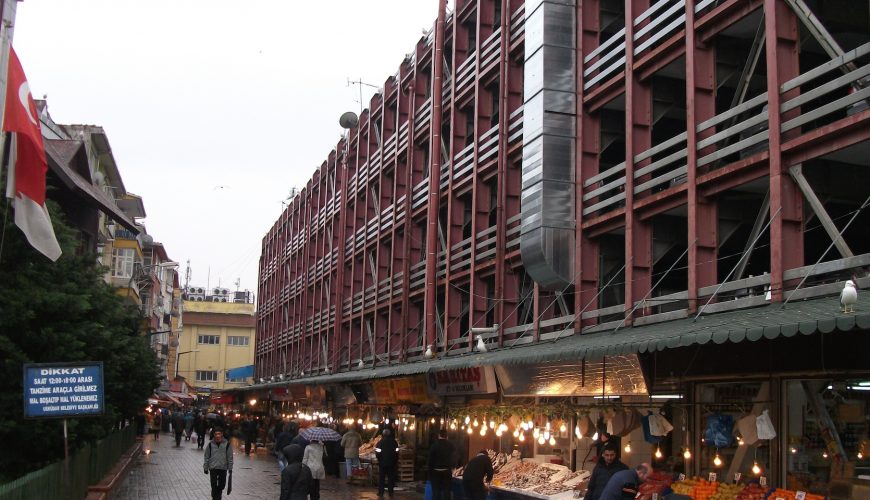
(170, 473)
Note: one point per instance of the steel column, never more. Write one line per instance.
(786, 231)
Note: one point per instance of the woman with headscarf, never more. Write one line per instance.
(296, 476)
(313, 458)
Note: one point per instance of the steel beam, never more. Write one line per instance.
(819, 209)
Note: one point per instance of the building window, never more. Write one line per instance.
(209, 339)
(122, 262)
(238, 340)
(206, 375)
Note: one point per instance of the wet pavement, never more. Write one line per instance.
(164, 472)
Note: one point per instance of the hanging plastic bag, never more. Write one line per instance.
(655, 427)
(747, 426)
(664, 427)
(648, 422)
(764, 426)
(632, 421)
(719, 430)
(587, 428)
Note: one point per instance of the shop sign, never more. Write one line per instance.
(221, 399)
(471, 380)
(63, 389)
(281, 394)
(411, 389)
(384, 391)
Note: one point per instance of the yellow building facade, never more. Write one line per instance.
(216, 337)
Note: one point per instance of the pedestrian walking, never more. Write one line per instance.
(351, 441)
(296, 476)
(201, 429)
(477, 470)
(178, 426)
(387, 452)
(313, 458)
(156, 424)
(188, 425)
(217, 462)
(442, 458)
(249, 433)
(284, 438)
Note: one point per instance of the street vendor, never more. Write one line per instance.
(476, 471)
(607, 466)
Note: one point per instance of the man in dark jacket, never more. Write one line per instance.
(476, 470)
(607, 466)
(387, 452)
(249, 433)
(442, 458)
(625, 484)
(296, 477)
(178, 426)
(200, 426)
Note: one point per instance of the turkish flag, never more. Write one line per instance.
(27, 169)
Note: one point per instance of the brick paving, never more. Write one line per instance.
(170, 473)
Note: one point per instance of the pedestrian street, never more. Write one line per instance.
(165, 472)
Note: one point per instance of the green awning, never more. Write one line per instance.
(804, 317)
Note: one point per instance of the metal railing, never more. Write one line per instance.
(87, 466)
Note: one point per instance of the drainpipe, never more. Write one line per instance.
(434, 177)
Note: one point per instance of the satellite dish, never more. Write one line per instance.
(348, 120)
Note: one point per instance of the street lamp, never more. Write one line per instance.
(178, 355)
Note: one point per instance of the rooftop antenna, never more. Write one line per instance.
(238, 283)
(359, 83)
(187, 275)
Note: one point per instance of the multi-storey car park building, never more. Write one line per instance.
(592, 174)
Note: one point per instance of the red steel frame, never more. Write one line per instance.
(354, 269)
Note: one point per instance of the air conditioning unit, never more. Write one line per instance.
(200, 290)
(216, 291)
(199, 299)
(215, 298)
(192, 289)
(225, 291)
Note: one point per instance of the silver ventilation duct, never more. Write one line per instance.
(547, 233)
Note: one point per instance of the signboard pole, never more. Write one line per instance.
(66, 478)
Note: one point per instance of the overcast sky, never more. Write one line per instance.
(214, 108)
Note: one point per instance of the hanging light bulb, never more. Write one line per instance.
(860, 455)
(541, 439)
(755, 468)
(595, 436)
(522, 437)
(658, 453)
(546, 435)
(739, 441)
(577, 432)
(687, 454)
(412, 427)
(627, 448)
(432, 420)
(483, 430)
(467, 420)
(825, 454)
(492, 424)
(548, 425)
(452, 426)
(536, 433)
(476, 423)
(516, 433)
(562, 428)
(498, 433)
(469, 430)
(717, 461)
(793, 450)
(503, 427)
(531, 423)
(552, 441)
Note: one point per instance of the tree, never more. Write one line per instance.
(57, 312)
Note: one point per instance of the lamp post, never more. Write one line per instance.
(178, 355)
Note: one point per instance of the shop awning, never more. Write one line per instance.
(769, 322)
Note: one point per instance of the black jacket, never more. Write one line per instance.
(600, 475)
(296, 478)
(388, 456)
(282, 441)
(476, 469)
(442, 455)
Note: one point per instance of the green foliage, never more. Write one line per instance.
(56, 312)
